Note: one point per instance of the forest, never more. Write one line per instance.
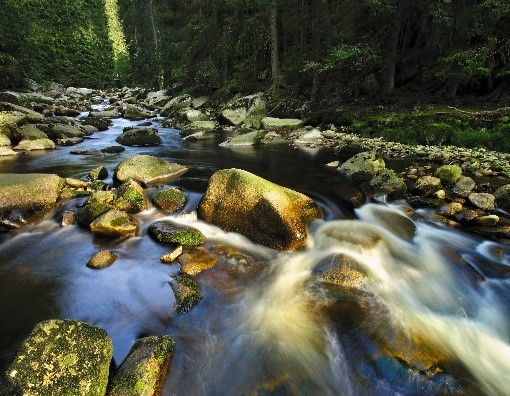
(311, 49)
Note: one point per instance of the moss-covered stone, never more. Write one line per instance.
(246, 139)
(449, 174)
(135, 113)
(388, 182)
(114, 223)
(102, 259)
(98, 173)
(144, 370)
(166, 232)
(29, 132)
(35, 144)
(187, 293)
(61, 358)
(362, 167)
(113, 149)
(195, 261)
(502, 195)
(281, 124)
(265, 212)
(130, 197)
(198, 126)
(170, 199)
(140, 137)
(65, 131)
(89, 213)
(102, 124)
(425, 186)
(176, 104)
(27, 198)
(147, 169)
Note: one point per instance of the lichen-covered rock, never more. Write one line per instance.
(105, 114)
(140, 137)
(60, 358)
(114, 223)
(483, 201)
(27, 198)
(427, 185)
(136, 113)
(388, 182)
(90, 212)
(113, 149)
(502, 195)
(449, 174)
(166, 232)
(170, 199)
(9, 121)
(29, 132)
(198, 126)
(146, 169)
(98, 173)
(267, 213)
(102, 259)
(176, 104)
(195, 261)
(464, 186)
(60, 131)
(281, 124)
(145, 368)
(246, 139)
(102, 124)
(362, 167)
(36, 144)
(130, 197)
(247, 110)
(186, 291)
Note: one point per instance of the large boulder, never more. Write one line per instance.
(29, 132)
(37, 144)
(28, 114)
(9, 121)
(449, 174)
(60, 131)
(140, 137)
(425, 186)
(362, 167)
(145, 368)
(146, 169)
(483, 201)
(198, 126)
(60, 357)
(388, 182)
(27, 198)
(281, 124)
(114, 223)
(246, 139)
(247, 110)
(267, 213)
(176, 104)
(502, 195)
(136, 113)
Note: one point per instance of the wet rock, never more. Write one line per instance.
(65, 111)
(388, 182)
(102, 259)
(140, 137)
(113, 149)
(269, 214)
(145, 368)
(439, 194)
(27, 198)
(69, 141)
(60, 131)
(29, 132)
(313, 136)
(167, 232)
(427, 185)
(189, 116)
(198, 126)
(103, 197)
(247, 111)
(483, 201)
(70, 193)
(98, 173)
(135, 113)
(29, 116)
(448, 174)
(7, 151)
(246, 139)
(5, 141)
(105, 114)
(102, 124)
(130, 197)
(114, 223)
(68, 218)
(341, 272)
(146, 169)
(169, 258)
(187, 293)
(391, 220)
(176, 104)
(348, 232)
(502, 195)
(450, 209)
(195, 261)
(75, 183)
(37, 144)
(61, 357)
(170, 199)
(280, 124)
(91, 212)
(487, 221)
(362, 167)
(352, 195)
(97, 153)
(469, 214)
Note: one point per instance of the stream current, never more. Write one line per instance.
(267, 325)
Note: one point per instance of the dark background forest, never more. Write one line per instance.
(307, 48)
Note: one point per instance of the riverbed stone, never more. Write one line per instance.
(27, 198)
(281, 124)
(60, 357)
(98, 173)
(483, 201)
(170, 199)
(130, 197)
(169, 257)
(341, 272)
(269, 214)
(113, 150)
(362, 167)
(186, 291)
(502, 195)
(464, 186)
(166, 232)
(102, 259)
(425, 186)
(449, 174)
(198, 126)
(195, 261)
(61, 131)
(487, 221)
(114, 223)
(145, 368)
(146, 169)
(29, 116)
(90, 212)
(246, 139)
(105, 114)
(101, 123)
(36, 144)
(29, 132)
(135, 113)
(176, 104)
(389, 183)
(140, 137)
(450, 209)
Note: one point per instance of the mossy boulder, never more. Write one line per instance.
(106, 197)
(146, 169)
(9, 121)
(280, 124)
(483, 201)
(362, 167)
(198, 126)
(105, 114)
(502, 195)
(113, 149)
(176, 104)
(27, 198)
(29, 132)
(136, 113)
(449, 174)
(61, 358)
(166, 232)
(29, 116)
(114, 223)
(144, 371)
(246, 139)
(60, 131)
(102, 124)
(247, 111)
(102, 259)
(98, 173)
(425, 186)
(463, 186)
(130, 197)
(90, 212)
(36, 144)
(269, 214)
(170, 199)
(140, 137)
(186, 291)
(388, 182)
(195, 261)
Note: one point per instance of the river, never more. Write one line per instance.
(267, 325)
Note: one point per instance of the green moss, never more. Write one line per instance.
(170, 199)
(187, 293)
(166, 232)
(89, 213)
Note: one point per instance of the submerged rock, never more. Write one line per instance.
(195, 261)
(166, 232)
(147, 169)
(267, 213)
(27, 198)
(102, 259)
(145, 368)
(60, 357)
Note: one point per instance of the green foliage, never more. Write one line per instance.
(353, 57)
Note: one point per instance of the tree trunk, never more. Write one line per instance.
(390, 62)
(275, 60)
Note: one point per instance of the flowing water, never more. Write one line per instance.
(425, 309)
